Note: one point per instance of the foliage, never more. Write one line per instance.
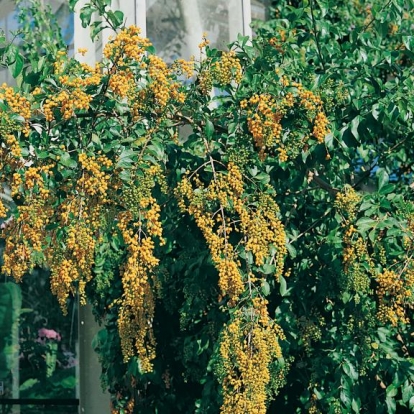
(267, 254)
(10, 304)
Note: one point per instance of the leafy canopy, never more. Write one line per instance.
(241, 222)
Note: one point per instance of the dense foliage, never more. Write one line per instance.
(241, 223)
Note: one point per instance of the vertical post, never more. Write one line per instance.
(82, 37)
(93, 400)
(236, 19)
(247, 17)
(141, 15)
(193, 27)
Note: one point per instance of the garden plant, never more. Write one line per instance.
(242, 223)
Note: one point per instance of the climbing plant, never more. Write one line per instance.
(241, 223)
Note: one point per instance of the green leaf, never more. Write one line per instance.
(116, 18)
(268, 269)
(350, 370)
(119, 16)
(242, 40)
(125, 159)
(265, 288)
(291, 250)
(28, 384)
(209, 129)
(42, 154)
(407, 392)
(408, 42)
(67, 161)
(383, 178)
(72, 4)
(283, 286)
(387, 189)
(17, 66)
(355, 125)
(86, 15)
(365, 223)
(391, 405)
(411, 403)
(68, 382)
(356, 405)
(96, 28)
(392, 390)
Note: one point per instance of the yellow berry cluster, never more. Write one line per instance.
(3, 210)
(64, 273)
(13, 144)
(277, 42)
(265, 114)
(204, 42)
(307, 99)
(10, 151)
(71, 96)
(17, 257)
(68, 101)
(18, 104)
(137, 306)
(320, 128)
(25, 234)
(205, 81)
(25, 238)
(227, 69)
(263, 121)
(347, 202)
(395, 291)
(61, 59)
(358, 265)
(220, 211)
(127, 409)
(121, 82)
(265, 230)
(139, 226)
(71, 269)
(93, 181)
(222, 252)
(82, 50)
(81, 78)
(161, 86)
(128, 44)
(313, 104)
(184, 67)
(135, 197)
(248, 345)
(310, 331)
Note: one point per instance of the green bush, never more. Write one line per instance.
(262, 262)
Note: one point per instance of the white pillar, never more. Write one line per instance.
(140, 15)
(92, 399)
(247, 17)
(236, 15)
(82, 38)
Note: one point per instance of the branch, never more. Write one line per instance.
(316, 35)
(374, 17)
(311, 226)
(324, 185)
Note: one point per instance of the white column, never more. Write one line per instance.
(128, 8)
(92, 399)
(236, 15)
(141, 15)
(193, 26)
(247, 17)
(82, 38)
